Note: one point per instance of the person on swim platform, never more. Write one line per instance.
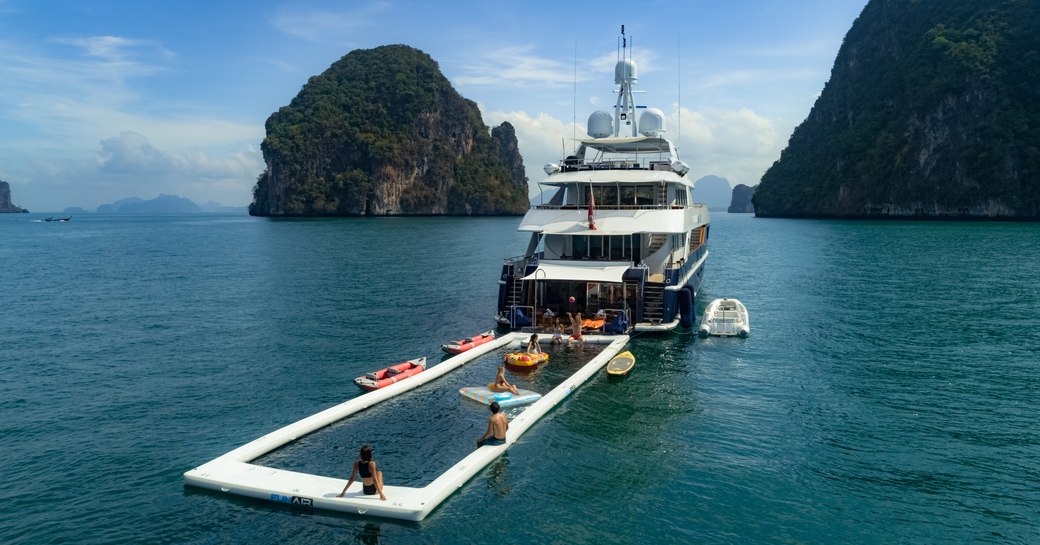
(371, 477)
(557, 337)
(502, 385)
(576, 328)
(498, 425)
(532, 345)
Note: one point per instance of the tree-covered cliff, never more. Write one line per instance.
(931, 111)
(740, 203)
(5, 199)
(382, 132)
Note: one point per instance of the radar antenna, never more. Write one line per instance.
(625, 76)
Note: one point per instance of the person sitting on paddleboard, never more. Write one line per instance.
(371, 477)
(498, 424)
(501, 384)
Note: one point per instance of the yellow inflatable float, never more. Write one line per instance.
(524, 359)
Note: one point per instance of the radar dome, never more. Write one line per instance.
(601, 125)
(625, 70)
(651, 123)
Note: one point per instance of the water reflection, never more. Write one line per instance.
(498, 482)
(368, 534)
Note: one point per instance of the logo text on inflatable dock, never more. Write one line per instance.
(292, 500)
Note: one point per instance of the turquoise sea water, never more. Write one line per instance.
(888, 392)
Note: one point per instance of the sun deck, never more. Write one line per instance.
(235, 474)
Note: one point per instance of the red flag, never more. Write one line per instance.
(592, 209)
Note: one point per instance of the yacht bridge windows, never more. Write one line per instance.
(593, 247)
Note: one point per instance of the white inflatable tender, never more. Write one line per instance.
(725, 318)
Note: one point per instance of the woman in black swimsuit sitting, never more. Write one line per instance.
(371, 477)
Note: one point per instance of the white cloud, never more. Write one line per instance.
(116, 48)
(61, 113)
(515, 66)
(738, 145)
(131, 153)
(327, 26)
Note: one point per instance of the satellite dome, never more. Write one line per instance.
(601, 125)
(625, 70)
(651, 123)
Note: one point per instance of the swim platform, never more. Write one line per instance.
(233, 474)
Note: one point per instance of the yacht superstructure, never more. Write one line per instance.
(618, 235)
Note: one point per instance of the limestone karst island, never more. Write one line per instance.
(930, 112)
(6, 205)
(382, 132)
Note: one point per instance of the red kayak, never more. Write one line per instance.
(395, 373)
(459, 347)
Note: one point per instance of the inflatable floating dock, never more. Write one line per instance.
(232, 473)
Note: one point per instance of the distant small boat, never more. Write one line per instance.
(621, 364)
(725, 318)
(390, 375)
(52, 218)
(463, 345)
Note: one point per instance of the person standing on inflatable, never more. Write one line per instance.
(498, 425)
(371, 477)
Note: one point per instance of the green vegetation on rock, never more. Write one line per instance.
(382, 132)
(930, 112)
(6, 205)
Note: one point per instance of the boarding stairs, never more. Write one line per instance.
(653, 302)
(656, 241)
(516, 289)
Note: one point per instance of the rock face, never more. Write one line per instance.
(5, 199)
(382, 132)
(930, 112)
(741, 201)
(713, 191)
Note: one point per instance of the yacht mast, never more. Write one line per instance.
(625, 76)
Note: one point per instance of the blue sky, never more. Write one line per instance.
(103, 100)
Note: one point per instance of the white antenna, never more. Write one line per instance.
(574, 104)
(625, 77)
(678, 85)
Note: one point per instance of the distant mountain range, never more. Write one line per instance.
(714, 192)
(163, 204)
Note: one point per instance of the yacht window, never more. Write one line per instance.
(581, 247)
(628, 195)
(645, 195)
(596, 247)
(617, 248)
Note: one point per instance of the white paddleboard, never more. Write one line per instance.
(505, 399)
